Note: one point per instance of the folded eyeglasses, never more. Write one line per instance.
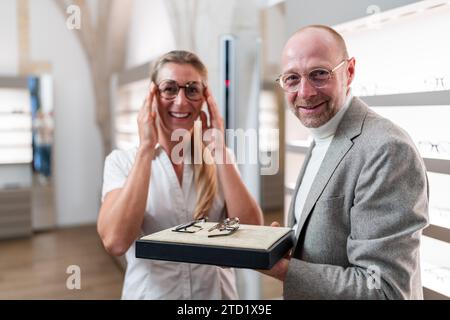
(227, 227)
(224, 228)
(193, 224)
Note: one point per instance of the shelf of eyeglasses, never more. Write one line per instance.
(227, 243)
(434, 161)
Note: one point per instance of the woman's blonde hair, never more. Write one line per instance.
(204, 173)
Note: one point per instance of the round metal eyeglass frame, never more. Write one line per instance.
(282, 77)
(186, 90)
(225, 228)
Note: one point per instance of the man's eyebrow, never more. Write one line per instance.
(290, 70)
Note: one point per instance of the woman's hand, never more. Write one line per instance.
(214, 114)
(215, 132)
(148, 134)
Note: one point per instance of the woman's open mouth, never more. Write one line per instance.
(180, 115)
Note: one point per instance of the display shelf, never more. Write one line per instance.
(432, 164)
(437, 232)
(436, 98)
(437, 165)
(429, 294)
(15, 121)
(15, 208)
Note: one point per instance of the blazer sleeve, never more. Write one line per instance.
(389, 211)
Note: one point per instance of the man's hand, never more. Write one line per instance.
(280, 269)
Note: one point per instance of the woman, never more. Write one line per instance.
(145, 191)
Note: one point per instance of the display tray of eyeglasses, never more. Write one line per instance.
(229, 245)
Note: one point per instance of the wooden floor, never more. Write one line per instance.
(35, 268)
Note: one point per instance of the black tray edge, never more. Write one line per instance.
(216, 255)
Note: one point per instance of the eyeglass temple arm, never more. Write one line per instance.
(339, 65)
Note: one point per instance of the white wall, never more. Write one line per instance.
(78, 155)
(8, 36)
(305, 12)
(275, 36)
(150, 32)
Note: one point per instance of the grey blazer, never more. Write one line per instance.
(359, 232)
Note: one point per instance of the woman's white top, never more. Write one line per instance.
(168, 205)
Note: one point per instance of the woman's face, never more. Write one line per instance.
(179, 112)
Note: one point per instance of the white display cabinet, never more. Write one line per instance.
(403, 73)
(15, 124)
(16, 155)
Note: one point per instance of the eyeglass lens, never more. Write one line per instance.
(169, 89)
(317, 78)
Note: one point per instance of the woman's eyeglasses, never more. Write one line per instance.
(169, 90)
(318, 78)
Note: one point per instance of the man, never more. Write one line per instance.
(361, 199)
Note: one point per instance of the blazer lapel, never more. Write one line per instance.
(349, 128)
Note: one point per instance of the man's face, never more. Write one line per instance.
(304, 52)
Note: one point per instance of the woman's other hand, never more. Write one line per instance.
(148, 134)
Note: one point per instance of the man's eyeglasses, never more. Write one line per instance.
(169, 89)
(318, 78)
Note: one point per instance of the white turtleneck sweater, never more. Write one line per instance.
(322, 138)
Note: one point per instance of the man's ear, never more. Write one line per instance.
(351, 71)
